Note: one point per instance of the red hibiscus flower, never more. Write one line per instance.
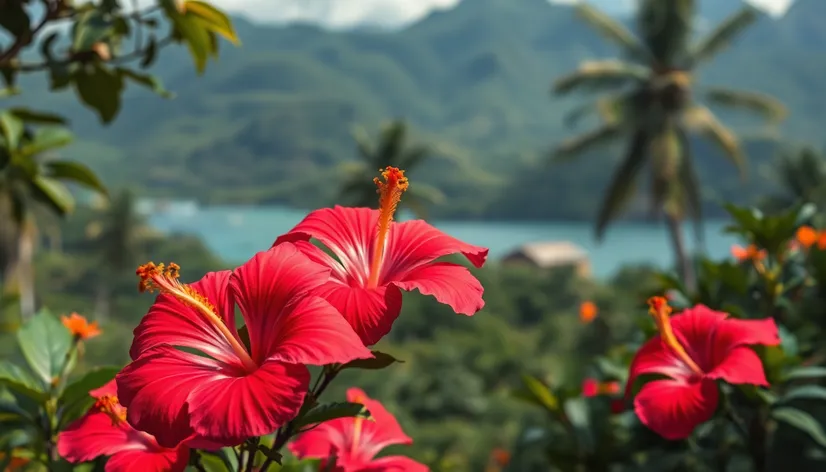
(228, 392)
(353, 442)
(694, 350)
(103, 431)
(377, 258)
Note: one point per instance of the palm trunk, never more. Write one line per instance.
(685, 266)
(103, 302)
(25, 271)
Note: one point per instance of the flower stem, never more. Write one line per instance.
(284, 434)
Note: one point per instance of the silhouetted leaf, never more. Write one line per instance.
(100, 88)
(331, 411)
(149, 81)
(379, 361)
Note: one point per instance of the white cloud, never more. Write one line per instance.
(347, 13)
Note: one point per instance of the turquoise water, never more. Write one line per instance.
(235, 233)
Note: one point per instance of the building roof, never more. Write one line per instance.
(550, 253)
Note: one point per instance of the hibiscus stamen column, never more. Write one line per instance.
(390, 193)
(661, 313)
(165, 280)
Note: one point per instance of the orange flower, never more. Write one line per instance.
(807, 236)
(500, 457)
(587, 312)
(16, 463)
(80, 327)
(748, 253)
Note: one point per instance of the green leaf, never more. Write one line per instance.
(53, 193)
(214, 19)
(806, 392)
(800, 373)
(149, 81)
(75, 400)
(576, 410)
(46, 139)
(15, 20)
(15, 378)
(150, 53)
(803, 421)
(306, 465)
(379, 361)
(100, 88)
(37, 117)
(92, 27)
(12, 128)
(331, 411)
(75, 172)
(191, 30)
(540, 393)
(45, 343)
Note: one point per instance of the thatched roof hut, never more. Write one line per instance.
(550, 255)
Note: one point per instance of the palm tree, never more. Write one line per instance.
(32, 181)
(391, 149)
(650, 105)
(801, 175)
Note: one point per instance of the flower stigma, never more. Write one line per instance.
(390, 193)
(358, 423)
(661, 313)
(164, 279)
(110, 405)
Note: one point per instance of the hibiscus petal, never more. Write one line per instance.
(324, 440)
(673, 409)
(348, 232)
(228, 410)
(167, 460)
(108, 389)
(313, 332)
(155, 389)
(655, 358)
(170, 321)
(394, 464)
(370, 312)
(740, 366)
(384, 431)
(449, 283)
(414, 243)
(94, 435)
(266, 284)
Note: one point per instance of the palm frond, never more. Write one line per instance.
(701, 120)
(766, 106)
(723, 35)
(413, 157)
(609, 109)
(578, 145)
(613, 31)
(665, 28)
(600, 75)
(391, 142)
(623, 183)
(363, 145)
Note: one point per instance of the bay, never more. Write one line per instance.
(235, 233)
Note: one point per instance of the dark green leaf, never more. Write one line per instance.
(379, 361)
(576, 410)
(100, 88)
(76, 401)
(15, 20)
(45, 343)
(54, 194)
(149, 81)
(306, 465)
(331, 411)
(806, 392)
(802, 421)
(75, 172)
(270, 454)
(540, 393)
(37, 117)
(800, 373)
(17, 379)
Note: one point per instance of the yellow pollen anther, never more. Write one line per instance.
(661, 312)
(164, 279)
(358, 423)
(390, 193)
(110, 405)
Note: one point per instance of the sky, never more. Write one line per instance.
(349, 13)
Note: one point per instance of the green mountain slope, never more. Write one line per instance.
(270, 121)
